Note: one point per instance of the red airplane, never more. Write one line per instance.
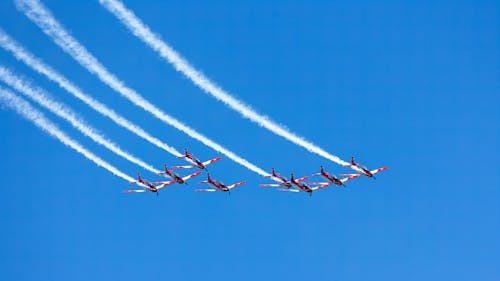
(148, 186)
(332, 179)
(194, 161)
(218, 186)
(278, 178)
(171, 174)
(301, 186)
(362, 169)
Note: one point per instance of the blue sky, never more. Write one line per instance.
(414, 86)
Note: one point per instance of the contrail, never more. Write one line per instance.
(43, 18)
(23, 108)
(142, 31)
(61, 110)
(38, 65)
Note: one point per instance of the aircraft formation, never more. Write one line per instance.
(18, 93)
(281, 183)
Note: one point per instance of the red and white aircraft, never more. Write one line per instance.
(194, 161)
(148, 186)
(175, 177)
(282, 181)
(301, 186)
(332, 179)
(218, 186)
(363, 170)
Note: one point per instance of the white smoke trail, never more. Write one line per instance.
(43, 18)
(23, 108)
(142, 31)
(61, 110)
(38, 65)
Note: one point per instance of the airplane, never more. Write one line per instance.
(301, 186)
(332, 178)
(194, 161)
(148, 186)
(278, 178)
(218, 186)
(171, 174)
(362, 169)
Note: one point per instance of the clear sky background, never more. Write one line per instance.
(414, 86)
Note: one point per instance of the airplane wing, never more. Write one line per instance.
(319, 187)
(318, 183)
(183, 167)
(191, 176)
(134, 190)
(158, 182)
(163, 184)
(316, 174)
(236, 184)
(379, 170)
(208, 162)
(348, 178)
(165, 175)
(206, 190)
(288, 190)
(351, 175)
(270, 184)
(302, 178)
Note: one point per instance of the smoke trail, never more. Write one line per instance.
(142, 31)
(23, 108)
(61, 110)
(29, 59)
(42, 17)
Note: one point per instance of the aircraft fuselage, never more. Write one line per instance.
(332, 179)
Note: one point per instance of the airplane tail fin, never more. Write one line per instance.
(185, 154)
(165, 170)
(352, 163)
(207, 180)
